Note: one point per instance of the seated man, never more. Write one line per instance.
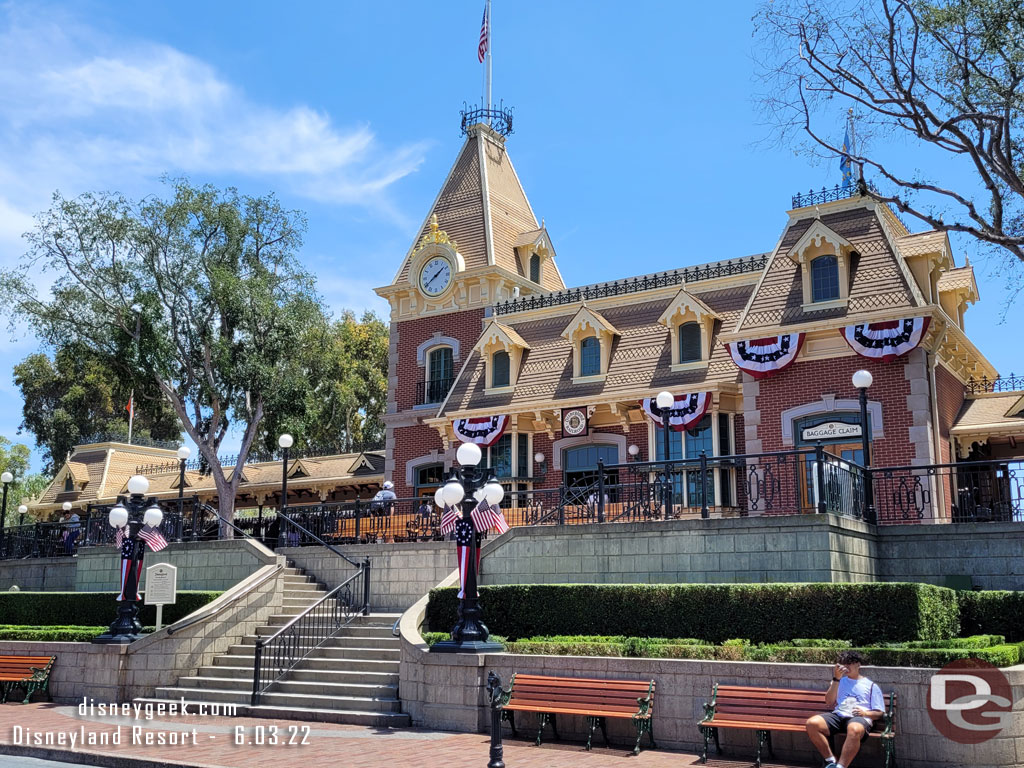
(856, 703)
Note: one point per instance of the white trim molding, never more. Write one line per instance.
(437, 340)
(594, 438)
(829, 404)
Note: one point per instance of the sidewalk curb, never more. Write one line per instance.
(85, 757)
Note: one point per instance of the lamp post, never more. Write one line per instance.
(467, 487)
(6, 478)
(129, 512)
(183, 453)
(862, 379)
(285, 442)
(665, 401)
(542, 468)
(22, 511)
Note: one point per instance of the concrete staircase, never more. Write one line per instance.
(352, 678)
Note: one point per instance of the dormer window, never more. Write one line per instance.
(500, 374)
(592, 338)
(69, 483)
(590, 356)
(824, 279)
(535, 268)
(824, 257)
(689, 342)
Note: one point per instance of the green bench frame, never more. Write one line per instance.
(38, 680)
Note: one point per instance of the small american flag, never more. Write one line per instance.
(485, 38)
(448, 520)
(119, 538)
(486, 517)
(153, 537)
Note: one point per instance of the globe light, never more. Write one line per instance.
(469, 454)
(6, 477)
(862, 379)
(538, 457)
(453, 493)
(118, 517)
(665, 400)
(634, 450)
(153, 516)
(494, 493)
(137, 485)
(439, 498)
(22, 510)
(66, 506)
(285, 440)
(184, 452)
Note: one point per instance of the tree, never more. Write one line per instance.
(202, 295)
(15, 458)
(77, 395)
(947, 75)
(343, 384)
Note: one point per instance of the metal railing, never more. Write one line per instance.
(256, 457)
(1011, 383)
(433, 391)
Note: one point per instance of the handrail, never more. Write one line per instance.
(189, 621)
(309, 610)
(319, 540)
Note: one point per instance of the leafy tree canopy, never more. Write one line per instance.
(15, 458)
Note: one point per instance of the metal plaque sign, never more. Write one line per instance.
(830, 430)
(161, 584)
(575, 422)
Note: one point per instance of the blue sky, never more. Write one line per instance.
(638, 136)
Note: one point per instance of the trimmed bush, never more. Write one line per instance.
(998, 611)
(977, 641)
(87, 608)
(55, 634)
(762, 613)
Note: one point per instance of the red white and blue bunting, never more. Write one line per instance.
(763, 357)
(888, 340)
(688, 410)
(482, 430)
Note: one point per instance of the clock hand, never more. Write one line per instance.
(431, 278)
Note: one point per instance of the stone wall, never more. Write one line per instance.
(447, 691)
(117, 673)
(52, 574)
(400, 574)
(208, 565)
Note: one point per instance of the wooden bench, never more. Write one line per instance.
(765, 710)
(594, 699)
(29, 672)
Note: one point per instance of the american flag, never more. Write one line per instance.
(485, 38)
(153, 537)
(486, 517)
(448, 520)
(119, 538)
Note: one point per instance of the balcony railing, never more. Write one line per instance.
(1009, 383)
(433, 391)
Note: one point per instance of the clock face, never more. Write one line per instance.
(435, 276)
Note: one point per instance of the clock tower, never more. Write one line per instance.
(480, 244)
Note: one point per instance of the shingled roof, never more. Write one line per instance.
(483, 208)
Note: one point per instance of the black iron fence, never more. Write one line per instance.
(433, 391)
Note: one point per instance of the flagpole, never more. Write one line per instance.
(853, 145)
(131, 415)
(488, 55)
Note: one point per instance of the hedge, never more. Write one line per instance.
(99, 609)
(69, 634)
(762, 613)
(997, 611)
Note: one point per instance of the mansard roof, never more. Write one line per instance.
(483, 208)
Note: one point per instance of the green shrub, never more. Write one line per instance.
(977, 641)
(68, 634)
(997, 611)
(764, 613)
(1000, 656)
(88, 608)
(803, 642)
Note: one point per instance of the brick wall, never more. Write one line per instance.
(949, 397)
(411, 443)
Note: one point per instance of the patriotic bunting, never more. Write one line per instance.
(762, 357)
(464, 541)
(688, 410)
(482, 430)
(886, 341)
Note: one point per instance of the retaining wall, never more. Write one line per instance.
(52, 574)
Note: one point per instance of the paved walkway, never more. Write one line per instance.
(210, 743)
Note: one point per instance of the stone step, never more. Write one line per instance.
(350, 717)
(341, 640)
(289, 592)
(302, 601)
(340, 674)
(331, 688)
(380, 654)
(313, 701)
(316, 664)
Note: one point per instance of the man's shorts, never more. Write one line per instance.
(838, 724)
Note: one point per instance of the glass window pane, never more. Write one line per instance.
(535, 268)
(500, 376)
(689, 342)
(501, 456)
(824, 278)
(522, 455)
(724, 435)
(441, 364)
(590, 356)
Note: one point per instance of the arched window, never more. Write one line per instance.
(500, 369)
(535, 268)
(590, 356)
(824, 278)
(440, 374)
(689, 342)
(69, 483)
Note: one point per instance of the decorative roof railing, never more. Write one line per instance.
(634, 285)
(839, 192)
(1009, 383)
(122, 437)
(498, 118)
(254, 457)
